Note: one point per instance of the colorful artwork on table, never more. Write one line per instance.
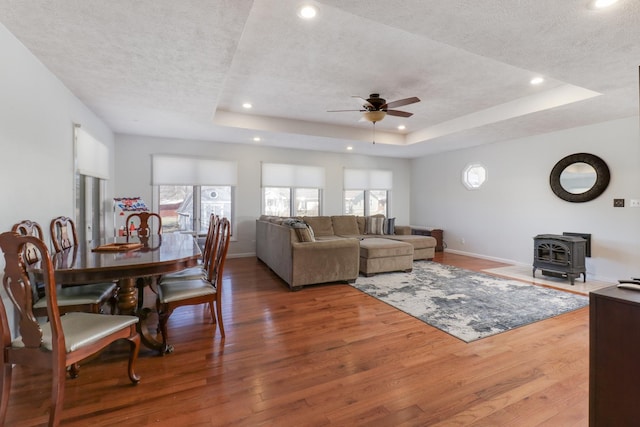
(130, 204)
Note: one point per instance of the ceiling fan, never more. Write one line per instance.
(375, 108)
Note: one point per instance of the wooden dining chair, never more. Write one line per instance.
(199, 271)
(59, 342)
(89, 297)
(31, 228)
(70, 299)
(148, 223)
(174, 294)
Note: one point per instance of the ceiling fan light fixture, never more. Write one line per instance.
(374, 116)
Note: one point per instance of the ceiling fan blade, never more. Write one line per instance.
(399, 113)
(364, 101)
(401, 102)
(340, 111)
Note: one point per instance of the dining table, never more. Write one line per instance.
(130, 262)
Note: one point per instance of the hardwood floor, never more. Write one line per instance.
(326, 355)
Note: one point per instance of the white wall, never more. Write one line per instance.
(516, 203)
(37, 113)
(133, 172)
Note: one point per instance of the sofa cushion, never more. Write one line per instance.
(362, 224)
(345, 225)
(382, 248)
(321, 225)
(375, 224)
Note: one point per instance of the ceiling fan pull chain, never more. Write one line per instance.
(374, 133)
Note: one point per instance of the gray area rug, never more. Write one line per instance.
(467, 304)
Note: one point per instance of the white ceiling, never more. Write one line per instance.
(183, 68)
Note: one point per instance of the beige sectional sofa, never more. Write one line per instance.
(322, 249)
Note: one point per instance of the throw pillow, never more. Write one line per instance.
(375, 224)
(304, 235)
(313, 235)
(389, 226)
(303, 231)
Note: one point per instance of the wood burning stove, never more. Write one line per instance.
(559, 256)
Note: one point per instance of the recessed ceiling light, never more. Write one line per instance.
(402, 127)
(536, 80)
(601, 4)
(349, 148)
(307, 11)
(256, 138)
(247, 105)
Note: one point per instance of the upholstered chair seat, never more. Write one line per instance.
(81, 329)
(185, 289)
(85, 295)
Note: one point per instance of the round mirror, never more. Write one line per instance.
(579, 177)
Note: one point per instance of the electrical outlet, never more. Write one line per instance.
(634, 203)
(618, 203)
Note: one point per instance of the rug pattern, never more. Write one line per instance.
(467, 304)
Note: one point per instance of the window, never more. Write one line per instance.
(187, 208)
(277, 201)
(291, 190)
(91, 176)
(286, 201)
(474, 175)
(366, 192)
(191, 189)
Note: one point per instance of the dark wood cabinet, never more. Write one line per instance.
(433, 232)
(614, 357)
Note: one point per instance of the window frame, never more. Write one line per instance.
(197, 207)
(292, 199)
(366, 201)
(472, 179)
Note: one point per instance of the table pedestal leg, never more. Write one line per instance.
(127, 296)
(128, 304)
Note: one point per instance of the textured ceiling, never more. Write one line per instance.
(183, 68)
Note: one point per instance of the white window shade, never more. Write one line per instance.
(283, 175)
(175, 170)
(92, 156)
(368, 179)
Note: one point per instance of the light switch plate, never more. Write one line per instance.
(618, 203)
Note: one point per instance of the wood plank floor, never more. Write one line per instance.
(327, 355)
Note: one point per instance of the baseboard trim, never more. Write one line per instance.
(523, 264)
(242, 255)
(490, 258)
